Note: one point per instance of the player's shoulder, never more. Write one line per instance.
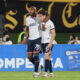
(50, 22)
(28, 17)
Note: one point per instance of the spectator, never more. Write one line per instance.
(73, 39)
(6, 39)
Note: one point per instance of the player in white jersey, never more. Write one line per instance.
(34, 40)
(48, 36)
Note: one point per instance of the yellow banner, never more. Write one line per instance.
(55, 0)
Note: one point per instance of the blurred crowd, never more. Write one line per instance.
(73, 39)
(5, 39)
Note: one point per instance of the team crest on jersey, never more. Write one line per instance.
(37, 47)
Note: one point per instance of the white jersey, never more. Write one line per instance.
(46, 35)
(33, 25)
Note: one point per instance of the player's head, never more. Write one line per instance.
(43, 15)
(33, 11)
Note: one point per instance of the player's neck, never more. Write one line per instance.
(46, 19)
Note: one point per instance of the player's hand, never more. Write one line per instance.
(49, 46)
(43, 27)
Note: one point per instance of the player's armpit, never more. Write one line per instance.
(26, 29)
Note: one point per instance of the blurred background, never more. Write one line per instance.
(64, 13)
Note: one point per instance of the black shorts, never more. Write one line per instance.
(45, 49)
(34, 46)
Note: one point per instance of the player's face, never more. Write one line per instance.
(31, 11)
(41, 17)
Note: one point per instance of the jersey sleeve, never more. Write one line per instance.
(52, 26)
(27, 22)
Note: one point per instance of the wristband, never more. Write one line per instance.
(43, 23)
(25, 37)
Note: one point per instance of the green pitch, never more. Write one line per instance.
(58, 75)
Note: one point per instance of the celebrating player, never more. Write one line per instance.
(47, 35)
(34, 40)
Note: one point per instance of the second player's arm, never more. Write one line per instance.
(52, 37)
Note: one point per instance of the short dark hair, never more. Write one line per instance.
(74, 36)
(43, 12)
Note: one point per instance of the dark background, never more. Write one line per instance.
(56, 14)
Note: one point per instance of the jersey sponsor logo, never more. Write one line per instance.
(33, 24)
(37, 47)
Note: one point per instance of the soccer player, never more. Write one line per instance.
(34, 39)
(47, 35)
